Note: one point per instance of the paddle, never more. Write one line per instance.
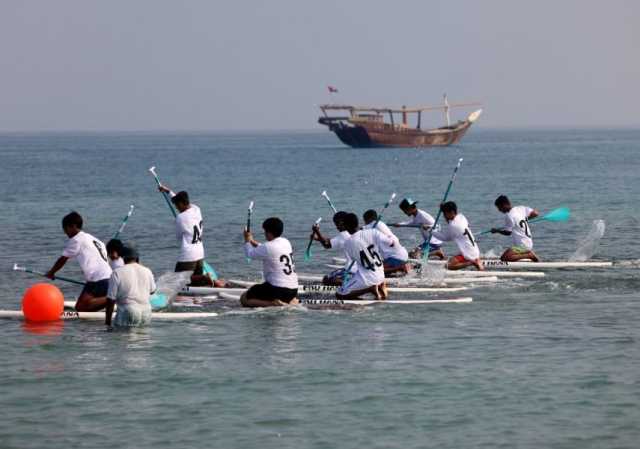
(157, 300)
(17, 267)
(558, 215)
(152, 170)
(249, 212)
(386, 205)
(427, 242)
(307, 253)
(326, 197)
(206, 268)
(124, 222)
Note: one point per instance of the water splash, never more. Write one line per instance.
(172, 283)
(588, 245)
(433, 274)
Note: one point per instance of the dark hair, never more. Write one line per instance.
(351, 222)
(370, 215)
(181, 197)
(114, 245)
(339, 216)
(273, 226)
(130, 252)
(449, 206)
(72, 219)
(502, 200)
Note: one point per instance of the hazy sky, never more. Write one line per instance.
(184, 65)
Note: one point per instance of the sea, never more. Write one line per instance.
(538, 363)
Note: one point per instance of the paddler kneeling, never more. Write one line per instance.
(130, 288)
(363, 248)
(457, 230)
(516, 225)
(91, 255)
(337, 243)
(281, 281)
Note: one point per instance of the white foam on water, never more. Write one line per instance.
(588, 245)
(171, 283)
(433, 273)
(493, 253)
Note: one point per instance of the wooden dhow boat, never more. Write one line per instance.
(365, 127)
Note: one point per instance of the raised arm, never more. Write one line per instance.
(317, 235)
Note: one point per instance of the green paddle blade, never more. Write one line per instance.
(557, 215)
(307, 255)
(208, 269)
(159, 301)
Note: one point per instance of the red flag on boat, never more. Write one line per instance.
(332, 90)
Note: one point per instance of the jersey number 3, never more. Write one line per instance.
(289, 267)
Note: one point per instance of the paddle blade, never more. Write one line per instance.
(557, 215)
(159, 301)
(307, 255)
(208, 270)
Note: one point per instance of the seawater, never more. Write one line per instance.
(541, 363)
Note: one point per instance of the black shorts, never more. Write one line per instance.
(196, 267)
(268, 292)
(96, 289)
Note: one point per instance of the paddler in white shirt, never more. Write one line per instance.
(280, 286)
(457, 230)
(423, 220)
(516, 225)
(335, 243)
(92, 258)
(130, 289)
(396, 257)
(189, 232)
(363, 248)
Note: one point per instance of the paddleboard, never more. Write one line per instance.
(367, 302)
(99, 316)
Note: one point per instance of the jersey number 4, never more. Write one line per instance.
(197, 234)
(366, 262)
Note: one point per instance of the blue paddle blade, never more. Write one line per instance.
(159, 301)
(307, 255)
(208, 269)
(560, 214)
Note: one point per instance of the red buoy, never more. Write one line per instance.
(42, 302)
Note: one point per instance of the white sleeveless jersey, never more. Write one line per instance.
(189, 234)
(91, 255)
(278, 268)
(423, 218)
(364, 249)
(457, 230)
(397, 251)
(517, 221)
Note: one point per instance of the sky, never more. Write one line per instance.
(265, 65)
